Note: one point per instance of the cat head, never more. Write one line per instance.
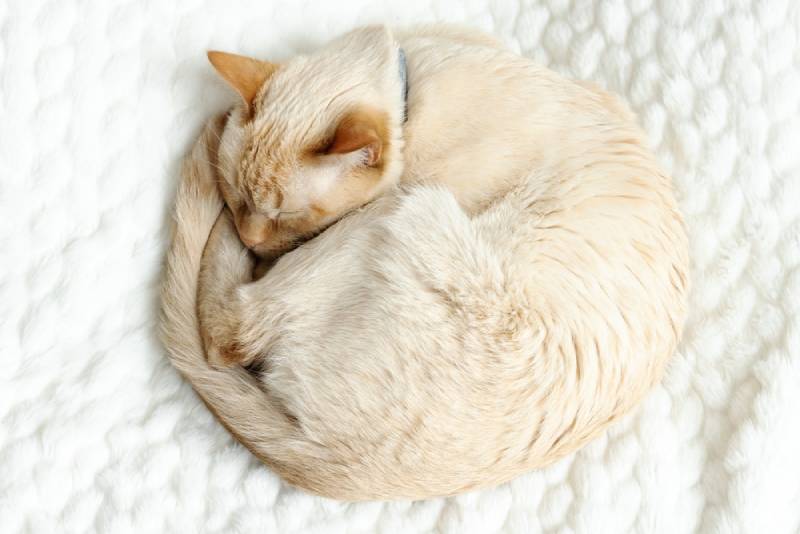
(311, 138)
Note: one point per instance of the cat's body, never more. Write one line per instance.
(441, 338)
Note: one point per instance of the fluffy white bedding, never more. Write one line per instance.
(99, 100)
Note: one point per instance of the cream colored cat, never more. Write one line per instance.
(521, 289)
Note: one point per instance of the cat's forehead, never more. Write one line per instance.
(265, 193)
(302, 100)
(261, 162)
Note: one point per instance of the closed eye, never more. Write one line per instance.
(294, 214)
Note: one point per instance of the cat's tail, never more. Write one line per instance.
(233, 395)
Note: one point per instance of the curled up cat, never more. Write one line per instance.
(478, 264)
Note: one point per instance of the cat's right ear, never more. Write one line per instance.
(246, 75)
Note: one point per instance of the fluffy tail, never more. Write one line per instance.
(233, 395)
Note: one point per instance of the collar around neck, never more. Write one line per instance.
(403, 80)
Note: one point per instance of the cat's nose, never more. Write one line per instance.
(251, 229)
(250, 240)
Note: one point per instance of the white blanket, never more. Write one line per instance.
(100, 99)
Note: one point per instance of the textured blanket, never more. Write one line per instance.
(98, 102)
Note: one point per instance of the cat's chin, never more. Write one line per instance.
(262, 266)
(269, 255)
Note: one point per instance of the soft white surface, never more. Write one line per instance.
(98, 101)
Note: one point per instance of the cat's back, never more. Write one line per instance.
(565, 194)
(480, 116)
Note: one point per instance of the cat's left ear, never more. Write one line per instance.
(362, 131)
(246, 75)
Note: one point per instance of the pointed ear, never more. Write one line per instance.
(360, 130)
(244, 74)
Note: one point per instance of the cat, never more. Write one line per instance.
(286, 175)
(501, 270)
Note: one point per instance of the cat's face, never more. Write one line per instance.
(311, 140)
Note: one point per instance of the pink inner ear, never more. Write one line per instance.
(355, 132)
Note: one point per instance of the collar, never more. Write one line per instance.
(404, 80)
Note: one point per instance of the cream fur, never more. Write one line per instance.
(522, 289)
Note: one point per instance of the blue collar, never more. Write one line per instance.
(404, 81)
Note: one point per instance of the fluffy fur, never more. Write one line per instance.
(522, 289)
